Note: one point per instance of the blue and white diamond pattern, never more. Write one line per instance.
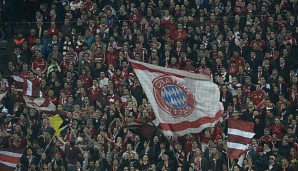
(173, 96)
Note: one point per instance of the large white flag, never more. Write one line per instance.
(183, 102)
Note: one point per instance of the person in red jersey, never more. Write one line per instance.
(257, 95)
(278, 128)
(94, 91)
(86, 79)
(39, 62)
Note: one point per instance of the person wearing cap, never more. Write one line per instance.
(272, 166)
(57, 160)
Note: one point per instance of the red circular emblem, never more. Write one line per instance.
(173, 97)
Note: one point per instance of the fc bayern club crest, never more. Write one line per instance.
(173, 97)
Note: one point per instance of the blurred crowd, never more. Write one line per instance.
(76, 52)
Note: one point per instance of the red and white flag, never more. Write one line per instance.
(9, 158)
(27, 87)
(240, 134)
(40, 104)
(183, 102)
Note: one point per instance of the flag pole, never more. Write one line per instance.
(228, 162)
(47, 147)
(228, 149)
(174, 148)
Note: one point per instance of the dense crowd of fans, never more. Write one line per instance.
(77, 54)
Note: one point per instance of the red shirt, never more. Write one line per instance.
(86, 79)
(40, 63)
(246, 89)
(113, 98)
(25, 74)
(32, 41)
(239, 61)
(99, 57)
(135, 17)
(179, 35)
(260, 43)
(111, 58)
(94, 92)
(54, 100)
(53, 32)
(257, 97)
(64, 65)
(278, 129)
(265, 139)
(233, 71)
(117, 80)
(189, 68)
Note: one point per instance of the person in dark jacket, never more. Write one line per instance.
(261, 160)
(217, 160)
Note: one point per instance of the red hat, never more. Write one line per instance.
(58, 154)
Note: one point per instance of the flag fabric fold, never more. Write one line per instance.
(39, 103)
(2, 95)
(28, 88)
(9, 158)
(240, 134)
(183, 102)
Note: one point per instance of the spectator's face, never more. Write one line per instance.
(284, 162)
(29, 152)
(277, 121)
(155, 139)
(214, 151)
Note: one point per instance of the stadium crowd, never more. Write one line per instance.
(77, 53)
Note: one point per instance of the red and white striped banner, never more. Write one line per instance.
(28, 88)
(9, 158)
(240, 134)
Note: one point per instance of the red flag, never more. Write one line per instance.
(182, 102)
(240, 134)
(9, 158)
(40, 104)
(27, 87)
(148, 130)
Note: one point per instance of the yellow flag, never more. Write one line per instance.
(55, 122)
(58, 132)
